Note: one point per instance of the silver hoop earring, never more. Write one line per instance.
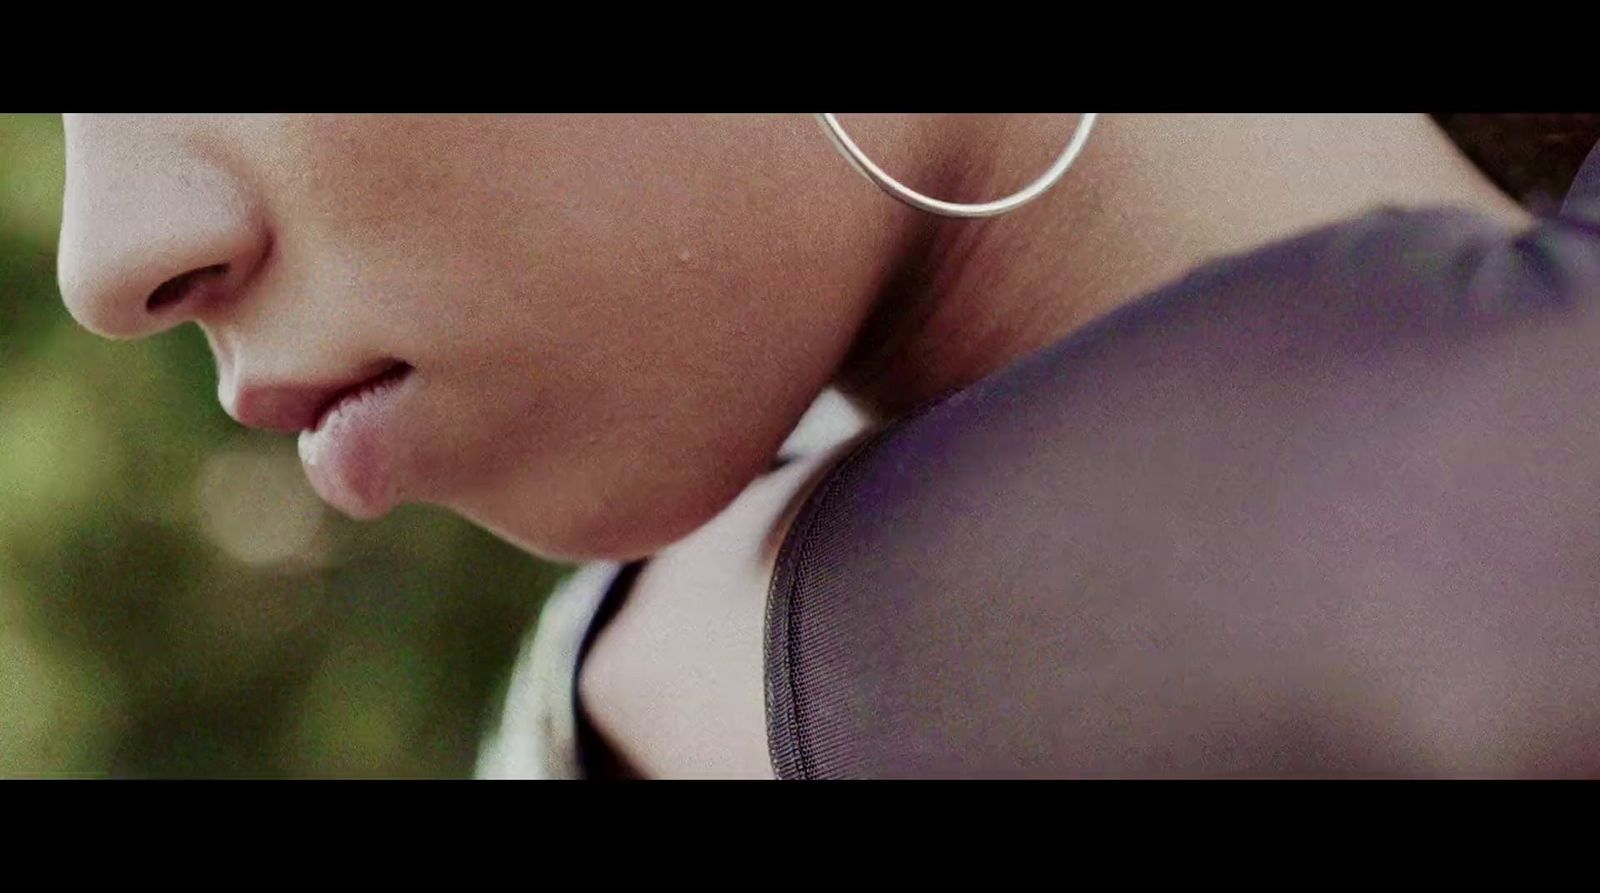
(859, 160)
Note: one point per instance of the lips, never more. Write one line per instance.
(294, 406)
(355, 454)
(357, 391)
(352, 441)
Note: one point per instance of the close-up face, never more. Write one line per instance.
(584, 333)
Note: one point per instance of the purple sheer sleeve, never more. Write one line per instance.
(1329, 508)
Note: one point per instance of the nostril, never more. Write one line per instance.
(176, 289)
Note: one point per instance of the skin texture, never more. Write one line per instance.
(614, 321)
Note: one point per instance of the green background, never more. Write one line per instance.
(174, 600)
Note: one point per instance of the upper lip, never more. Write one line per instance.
(296, 406)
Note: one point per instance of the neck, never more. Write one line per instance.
(1151, 197)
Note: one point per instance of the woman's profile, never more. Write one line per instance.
(1254, 446)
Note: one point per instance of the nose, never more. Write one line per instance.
(153, 231)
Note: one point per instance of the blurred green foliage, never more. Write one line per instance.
(174, 600)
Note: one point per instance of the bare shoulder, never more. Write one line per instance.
(675, 681)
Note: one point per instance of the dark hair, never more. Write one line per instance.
(1533, 157)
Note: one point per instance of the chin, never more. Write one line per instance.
(579, 530)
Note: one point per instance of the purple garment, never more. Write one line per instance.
(1328, 508)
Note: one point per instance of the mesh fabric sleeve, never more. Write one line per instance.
(1329, 508)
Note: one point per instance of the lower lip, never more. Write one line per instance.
(350, 457)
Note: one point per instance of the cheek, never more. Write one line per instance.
(482, 222)
(603, 443)
(609, 425)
